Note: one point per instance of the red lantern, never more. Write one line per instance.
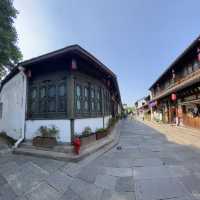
(108, 83)
(198, 54)
(173, 97)
(73, 65)
(29, 73)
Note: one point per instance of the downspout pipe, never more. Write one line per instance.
(21, 139)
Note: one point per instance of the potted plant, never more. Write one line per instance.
(101, 133)
(47, 137)
(87, 136)
(111, 123)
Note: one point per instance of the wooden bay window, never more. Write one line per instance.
(47, 99)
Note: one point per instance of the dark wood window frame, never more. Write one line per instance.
(78, 98)
(45, 101)
(94, 99)
(86, 99)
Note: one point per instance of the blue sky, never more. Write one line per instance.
(137, 39)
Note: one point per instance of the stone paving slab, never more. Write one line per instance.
(26, 178)
(162, 188)
(6, 192)
(147, 167)
(69, 194)
(2, 180)
(140, 173)
(60, 181)
(119, 172)
(125, 184)
(143, 162)
(112, 195)
(43, 191)
(178, 171)
(86, 190)
(90, 173)
(192, 183)
(106, 182)
(9, 168)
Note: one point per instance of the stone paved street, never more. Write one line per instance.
(146, 167)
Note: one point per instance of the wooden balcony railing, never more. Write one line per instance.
(180, 82)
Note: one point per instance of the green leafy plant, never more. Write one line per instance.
(10, 53)
(101, 130)
(87, 131)
(7, 139)
(111, 122)
(52, 131)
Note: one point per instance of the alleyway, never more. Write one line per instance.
(144, 166)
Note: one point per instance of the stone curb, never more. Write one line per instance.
(97, 149)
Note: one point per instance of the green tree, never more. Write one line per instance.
(9, 51)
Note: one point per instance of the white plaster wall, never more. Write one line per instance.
(13, 97)
(32, 127)
(93, 123)
(106, 120)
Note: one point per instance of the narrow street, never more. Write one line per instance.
(143, 166)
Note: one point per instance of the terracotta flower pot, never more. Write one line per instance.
(47, 142)
(100, 135)
(85, 140)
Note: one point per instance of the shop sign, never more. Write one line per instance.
(152, 104)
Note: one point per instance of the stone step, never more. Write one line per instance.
(46, 154)
(86, 151)
(101, 145)
(62, 148)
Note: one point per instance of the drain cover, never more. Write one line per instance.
(119, 148)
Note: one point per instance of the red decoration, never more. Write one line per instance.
(173, 97)
(198, 54)
(198, 57)
(28, 73)
(73, 66)
(108, 83)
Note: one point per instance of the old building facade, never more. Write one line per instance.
(68, 88)
(142, 108)
(175, 95)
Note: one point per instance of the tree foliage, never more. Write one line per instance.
(9, 51)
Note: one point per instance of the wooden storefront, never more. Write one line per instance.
(190, 107)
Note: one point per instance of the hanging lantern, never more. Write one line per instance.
(173, 97)
(29, 73)
(108, 83)
(73, 65)
(198, 54)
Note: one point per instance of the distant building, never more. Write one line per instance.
(142, 108)
(68, 88)
(175, 95)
